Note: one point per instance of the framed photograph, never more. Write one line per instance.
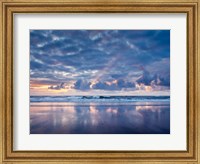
(99, 81)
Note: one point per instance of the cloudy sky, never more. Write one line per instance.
(99, 62)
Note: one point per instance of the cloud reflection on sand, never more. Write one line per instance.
(93, 118)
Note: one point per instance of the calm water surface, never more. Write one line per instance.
(96, 118)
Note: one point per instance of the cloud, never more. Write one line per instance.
(153, 79)
(81, 85)
(146, 78)
(99, 85)
(70, 55)
(57, 87)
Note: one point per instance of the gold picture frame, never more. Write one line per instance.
(10, 7)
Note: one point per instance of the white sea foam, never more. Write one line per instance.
(99, 98)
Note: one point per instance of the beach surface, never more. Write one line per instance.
(99, 115)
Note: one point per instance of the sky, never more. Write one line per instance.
(99, 62)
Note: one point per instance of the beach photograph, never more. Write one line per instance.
(99, 81)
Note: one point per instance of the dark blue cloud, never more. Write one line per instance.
(81, 85)
(154, 79)
(109, 85)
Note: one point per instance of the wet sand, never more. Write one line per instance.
(94, 118)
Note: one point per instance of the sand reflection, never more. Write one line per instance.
(72, 118)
